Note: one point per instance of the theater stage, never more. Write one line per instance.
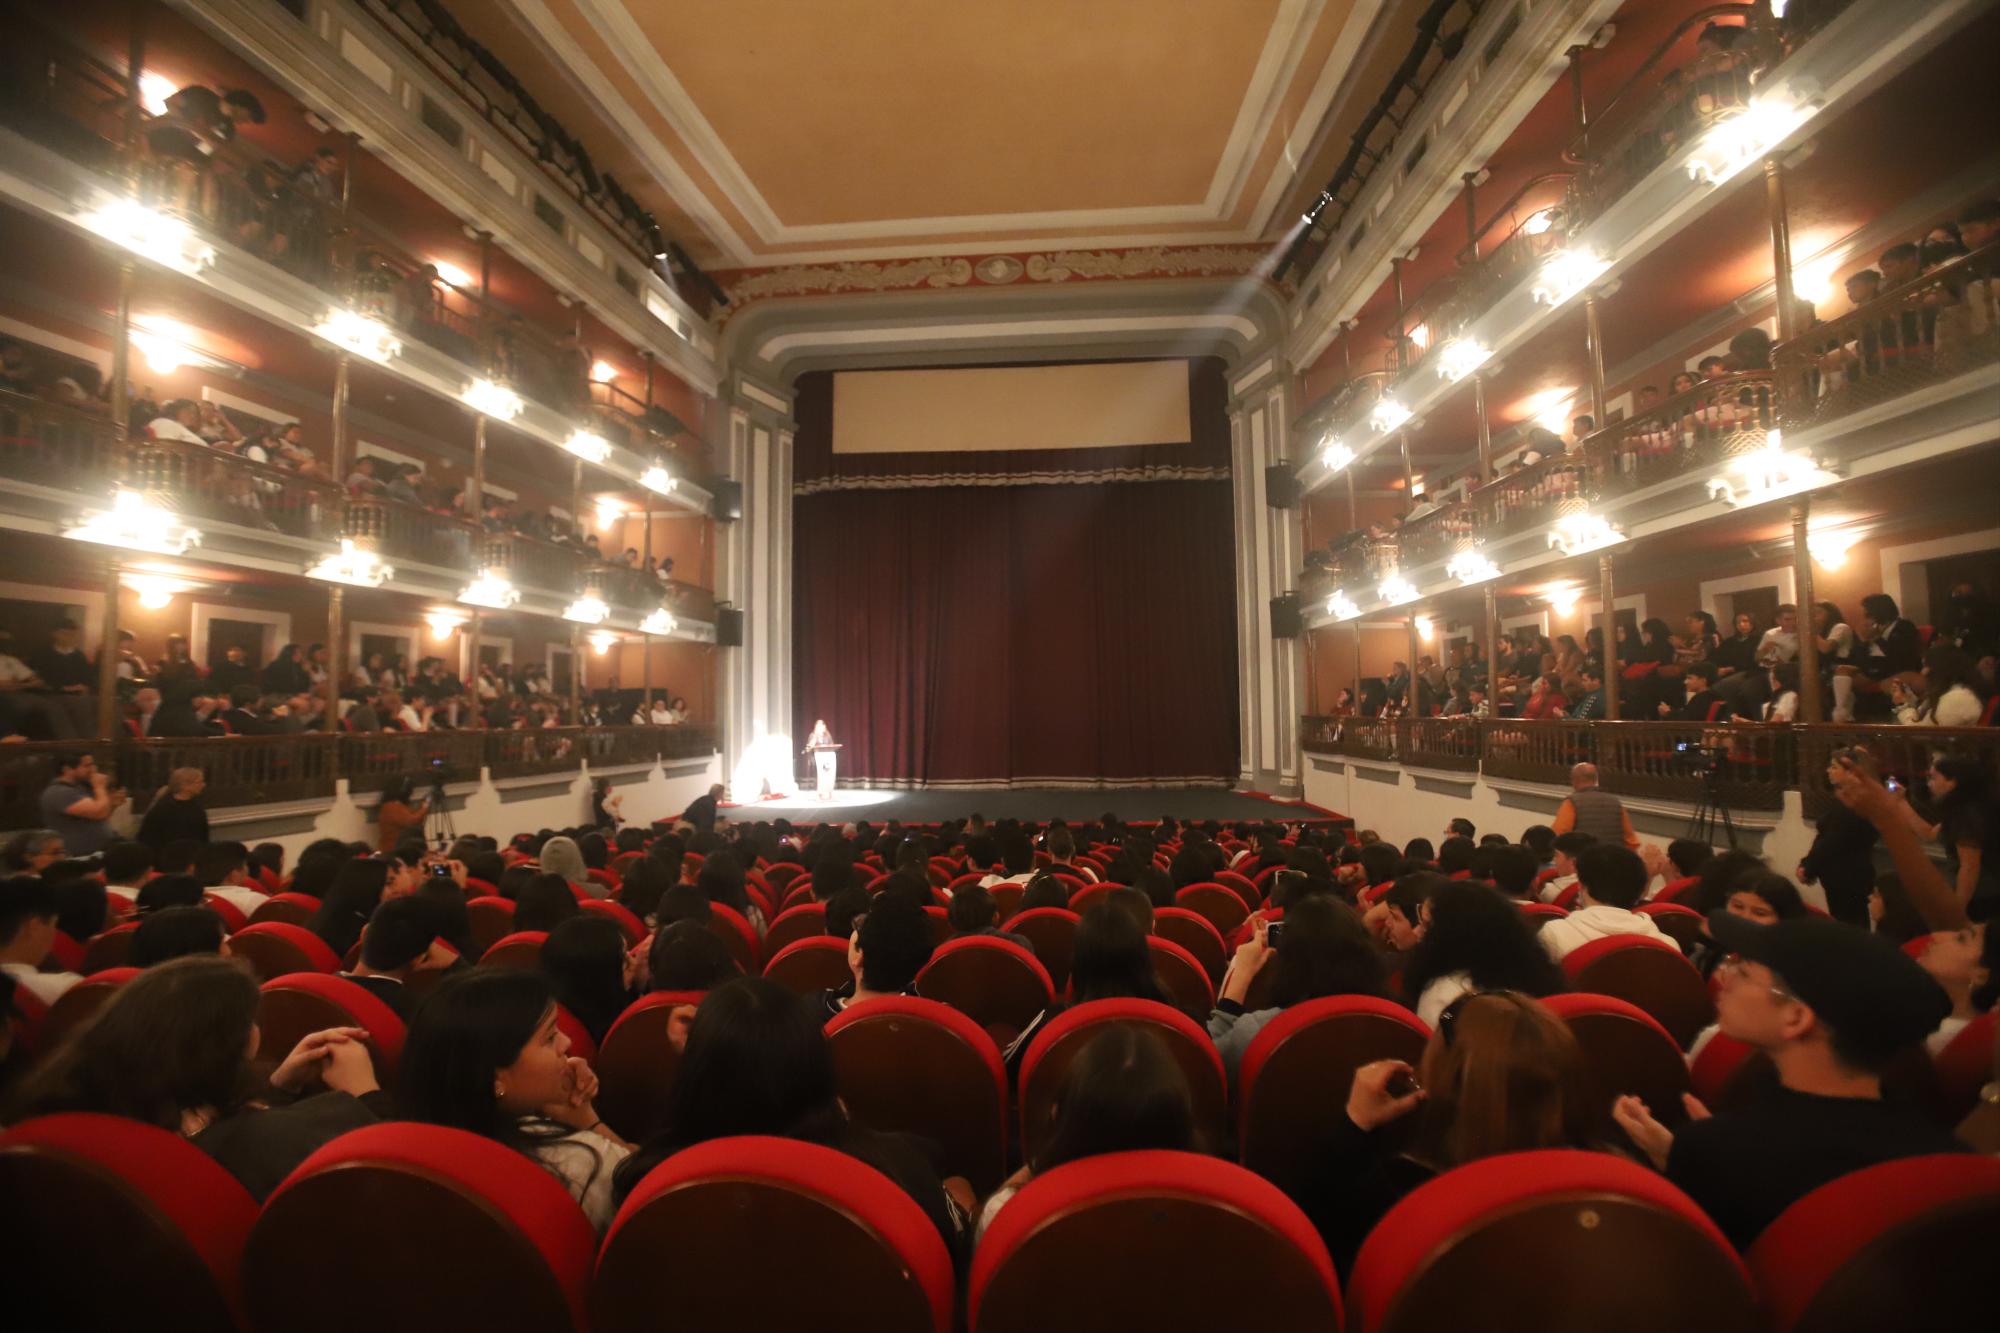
(1036, 803)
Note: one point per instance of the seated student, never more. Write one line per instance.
(757, 1062)
(164, 891)
(1500, 1074)
(401, 941)
(973, 912)
(1541, 840)
(1045, 890)
(1061, 847)
(1461, 828)
(590, 970)
(1511, 869)
(1966, 963)
(683, 902)
(173, 1047)
(224, 870)
(1832, 1006)
(843, 909)
(1567, 847)
(126, 866)
(688, 956)
(1699, 680)
(1156, 884)
(885, 954)
(1455, 857)
(1613, 878)
(1475, 940)
(1688, 856)
(484, 1055)
(29, 908)
(1419, 854)
(545, 903)
(1124, 1092)
(359, 887)
(1380, 864)
(1321, 949)
(1109, 960)
(173, 932)
(1397, 918)
(82, 909)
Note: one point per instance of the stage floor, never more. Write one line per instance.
(1036, 803)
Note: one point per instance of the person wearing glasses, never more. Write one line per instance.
(1832, 1006)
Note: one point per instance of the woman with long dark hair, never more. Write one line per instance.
(1738, 652)
(286, 673)
(1322, 950)
(585, 961)
(1951, 693)
(1968, 824)
(357, 890)
(1475, 940)
(484, 1054)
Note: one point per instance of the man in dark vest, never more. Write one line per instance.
(1589, 810)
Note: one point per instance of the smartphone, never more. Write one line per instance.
(1894, 786)
(1402, 1083)
(440, 870)
(1273, 932)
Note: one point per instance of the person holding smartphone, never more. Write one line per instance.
(1320, 948)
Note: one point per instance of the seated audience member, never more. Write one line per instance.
(1758, 896)
(1123, 1093)
(1419, 854)
(224, 870)
(885, 954)
(1966, 964)
(1380, 864)
(1397, 918)
(484, 1054)
(1475, 940)
(1461, 828)
(1500, 1074)
(401, 941)
(126, 866)
(757, 1062)
(1321, 948)
(1701, 700)
(358, 888)
(590, 971)
(688, 956)
(1831, 1006)
(561, 856)
(1109, 960)
(1512, 870)
(29, 908)
(721, 880)
(973, 912)
(1687, 856)
(1455, 857)
(173, 1048)
(1045, 890)
(1613, 879)
(1061, 847)
(1568, 846)
(81, 905)
(165, 891)
(1156, 884)
(173, 932)
(545, 903)
(1951, 693)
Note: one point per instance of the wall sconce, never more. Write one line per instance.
(1396, 590)
(1341, 607)
(493, 400)
(1574, 534)
(1567, 272)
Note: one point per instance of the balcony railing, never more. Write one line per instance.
(407, 532)
(513, 754)
(368, 761)
(1925, 331)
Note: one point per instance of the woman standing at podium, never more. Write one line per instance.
(820, 743)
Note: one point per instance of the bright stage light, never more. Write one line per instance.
(767, 765)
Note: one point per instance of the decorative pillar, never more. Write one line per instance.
(1269, 554)
(343, 460)
(1802, 577)
(135, 71)
(471, 633)
(107, 657)
(1579, 110)
(575, 675)
(336, 658)
(646, 540)
(754, 570)
(1609, 594)
(121, 354)
(1593, 340)
(1412, 706)
(1471, 179)
(1781, 256)
(1485, 429)
(475, 500)
(1492, 619)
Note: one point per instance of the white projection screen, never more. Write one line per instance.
(1022, 407)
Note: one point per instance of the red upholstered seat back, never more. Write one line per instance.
(1625, 1050)
(582, 1045)
(800, 892)
(1063, 1038)
(631, 925)
(523, 948)
(818, 962)
(1052, 932)
(406, 1203)
(1717, 1069)
(67, 953)
(1891, 1246)
(297, 1004)
(273, 948)
(1674, 889)
(1006, 899)
(703, 1224)
(1651, 974)
(1681, 924)
(1089, 896)
(780, 874)
(734, 929)
(77, 1005)
(1252, 896)
(233, 917)
(292, 908)
(117, 1224)
(636, 1063)
(111, 949)
(1186, 981)
(1193, 932)
(1302, 1062)
(1151, 1240)
(795, 923)
(1549, 1237)
(492, 919)
(1223, 907)
(1964, 1066)
(910, 1064)
(994, 982)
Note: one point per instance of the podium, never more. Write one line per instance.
(826, 760)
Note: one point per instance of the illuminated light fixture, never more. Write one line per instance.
(491, 589)
(602, 372)
(609, 510)
(1388, 415)
(163, 355)
(1460, 357)
(154, 90)
(155, 592)
(590, 448)
(1734, 143)
(662, 621)
(452, 274)
(1538, 223)
(1813, 284)
(443, 623)
(1830, 546)
(1768, 474)
(659, 480)
(1425, 629)
(602, 641)
(1562, 597)
(1341, 607)
(359, 334)
(1396, 590)
(1573, 534)
(354, 566)
(493, 400)
(135, 525)
(150, 234)
(1567, 272)
(1420, 336)
(588, 609)
(1470, 567)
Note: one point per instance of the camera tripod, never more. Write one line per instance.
(1710, 809)
(439, 830)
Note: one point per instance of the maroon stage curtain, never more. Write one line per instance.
(1059, 633)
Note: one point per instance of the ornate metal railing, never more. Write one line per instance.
(511, 754)
(399, 531)
(1693, 431)
(1439, 742)
(369, 760)
(1903, 753)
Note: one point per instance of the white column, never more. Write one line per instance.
(756, 576)
(1269, 550)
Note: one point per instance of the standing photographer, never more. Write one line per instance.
(398, 814)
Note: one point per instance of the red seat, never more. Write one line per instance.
(77, 1005)
(233, 918)
(1650, 973)
(1625, 1050)
(1222, 907)
(969, 878)
(697, 1233)
(1567, 898)
(995, 982)
(1252, 896)
(1089, 896)
(523, 949)
(1539, 914)
(1721, 1074)
(65, 952)
(491, 920)
(1682, 925)
(1006, 899)
(734, 929)
(1052, 932)
(1882, 1247)
(294, 909)
(780, 874)
(636, 1063)
(634, 928)
(300, 1003)
(813, 964)
(273, 948)
(602, 877)
(582, 1045)
(111, 949)
(1674, 889)
(1301, 1063)
(800, 893)
(1192, 932)
(1548, 1238)
(1185, 980)
(1065, 1036)
(795, 923)
(940, 924)
(115, 1224)
(1964, 1066)
(1151, 1240)
(401, 1198)
(909, 1064)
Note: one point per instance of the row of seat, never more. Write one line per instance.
(415, 1227)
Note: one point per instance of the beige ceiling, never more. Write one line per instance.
(767, 132)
